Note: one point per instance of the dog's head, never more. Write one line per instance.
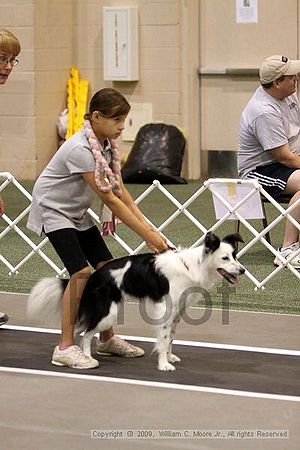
(222, 255)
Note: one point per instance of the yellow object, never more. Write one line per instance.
(232, 191)
(77, 91)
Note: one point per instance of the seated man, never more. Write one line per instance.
(269, 140)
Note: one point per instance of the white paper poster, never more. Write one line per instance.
(246, 11)
(234, 194)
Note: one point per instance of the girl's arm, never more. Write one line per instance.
(153, 239)
(129, 202)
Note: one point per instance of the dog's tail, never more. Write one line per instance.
(44, 302)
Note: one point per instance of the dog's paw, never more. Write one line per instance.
(173, 358)
(166, 367)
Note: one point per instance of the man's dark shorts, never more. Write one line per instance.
(273, 178)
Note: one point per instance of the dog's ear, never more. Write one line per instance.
(211, 242)
(233, 239)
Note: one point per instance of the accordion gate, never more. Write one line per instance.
(231, 212)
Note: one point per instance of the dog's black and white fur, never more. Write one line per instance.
(160, 280)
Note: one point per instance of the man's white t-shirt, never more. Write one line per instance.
(267, 123)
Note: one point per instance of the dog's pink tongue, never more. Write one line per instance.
(234, 280)
(230, 278)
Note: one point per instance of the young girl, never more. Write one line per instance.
(9, 50)
(87, 163)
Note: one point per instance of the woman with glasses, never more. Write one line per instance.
(9, 49)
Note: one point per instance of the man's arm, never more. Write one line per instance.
(284, 155)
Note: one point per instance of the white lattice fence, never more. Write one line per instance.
(232, 204)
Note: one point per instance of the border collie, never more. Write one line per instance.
(166, 282)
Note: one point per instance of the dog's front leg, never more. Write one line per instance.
(162, 346)
(171, 357)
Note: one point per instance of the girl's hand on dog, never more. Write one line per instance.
(169, 244)
(156, 242)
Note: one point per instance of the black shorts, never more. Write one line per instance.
(78, 248)
(273, 178)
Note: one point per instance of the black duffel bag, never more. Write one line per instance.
(157, 154)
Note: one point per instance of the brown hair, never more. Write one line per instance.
(9, 43)
(110, 104)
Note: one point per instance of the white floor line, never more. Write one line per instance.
(241, 348)
(192, 307)
(156, 384)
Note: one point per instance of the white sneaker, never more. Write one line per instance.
(117, 346)
(74, 357)
(287, 252)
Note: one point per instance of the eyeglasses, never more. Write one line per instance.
(4, 61)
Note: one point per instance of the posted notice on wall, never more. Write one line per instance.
(246, 11)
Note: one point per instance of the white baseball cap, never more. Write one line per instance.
(276, 66)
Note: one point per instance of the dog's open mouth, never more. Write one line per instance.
(228, 276)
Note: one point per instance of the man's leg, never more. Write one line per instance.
(291, 233)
